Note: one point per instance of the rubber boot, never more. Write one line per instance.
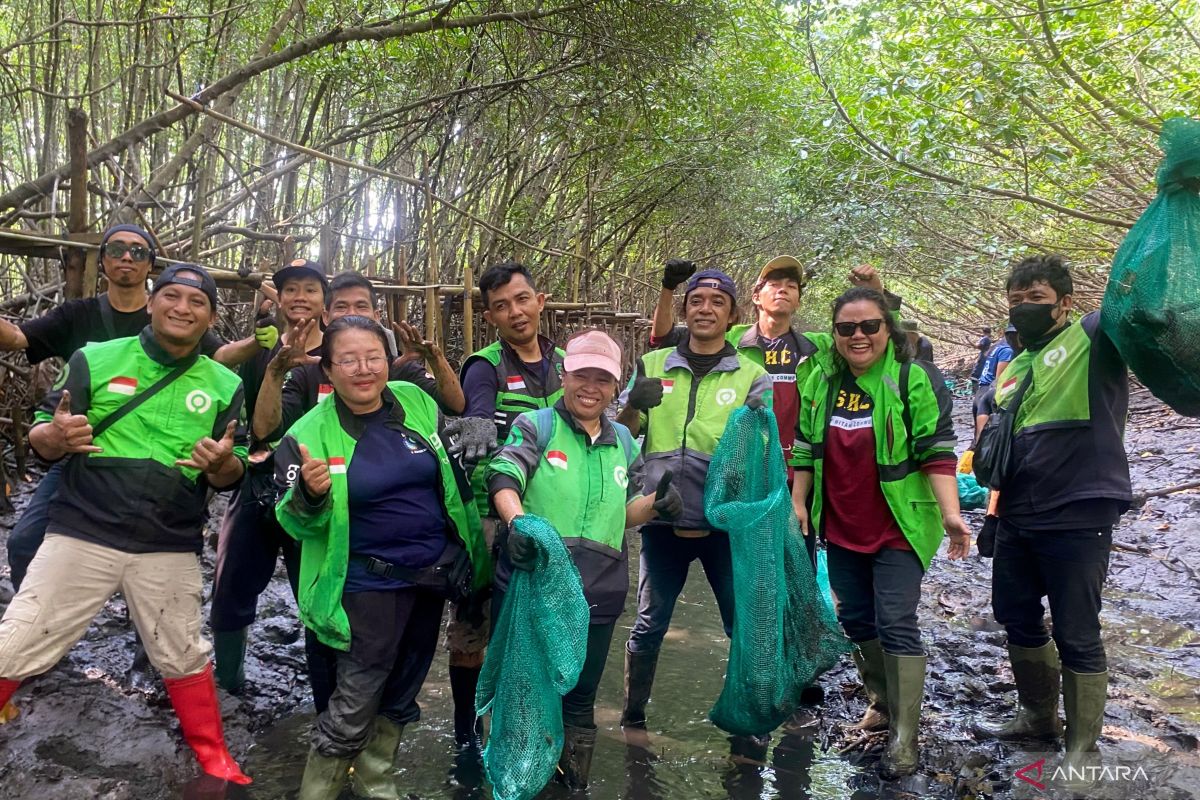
(8, 711)
(639, 677)
(324, 777)
(374, 768)
(141, 675)
(195, 701)
(229, 653)
(1084, 696)
(868, 657)
(575, 764)
(468, 728)
(905, 690)
(749, 749)
(1038, 676)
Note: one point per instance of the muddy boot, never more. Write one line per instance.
(324, 777)
(639, 677)
(140, 677)
(229, 653)
(374, 769)
(868, 656)
(1084, 695)
(8, 712)
(194, 698)
(749, 749)
(1037, 673)
(464, 681)
(905, 690)
(575, 764)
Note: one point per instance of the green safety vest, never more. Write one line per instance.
(518, 390)
(899, 451)
(324, 533)
(1058, 395)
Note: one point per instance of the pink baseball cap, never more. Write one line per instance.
(593, 349)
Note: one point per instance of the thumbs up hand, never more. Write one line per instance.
(74, 429)
(211, 455)
(315, 474)
(667, 500)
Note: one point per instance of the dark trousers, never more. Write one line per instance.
(27, 535)
(877, 596)
(250, 544)
(664, 566)
(579, 704)
(1068, 567)
(393, 636)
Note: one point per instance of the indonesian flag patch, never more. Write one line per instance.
(515, 382)
(122, 385)
(337, 465)
(668, 386)
(323, 391)
(557, 458)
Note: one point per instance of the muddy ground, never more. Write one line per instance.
(83, 733)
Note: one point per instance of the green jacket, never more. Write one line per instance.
(131, 496)
(682, 432)
(330, 431)
(580, 487)
(900, 449)
(816, 349)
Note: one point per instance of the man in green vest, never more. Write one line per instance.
(1067, 485)
(521, 371)
(680, 398)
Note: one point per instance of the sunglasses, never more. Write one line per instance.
(138, 252)
(869, 327)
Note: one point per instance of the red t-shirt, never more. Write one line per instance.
(779, 359)
(856, 514)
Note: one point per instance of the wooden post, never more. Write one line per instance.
(432, 312)
(91, 272)
(198, 200)
(327, 248)
(468, 311)
(77, 215)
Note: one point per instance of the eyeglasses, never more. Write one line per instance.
(846, 329)
(138, 252)
(373, 363)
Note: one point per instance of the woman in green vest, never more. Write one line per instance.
(875, 441)
(377, 506)
(582, 472)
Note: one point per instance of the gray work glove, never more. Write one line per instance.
(646, 393)
(667, 500)
(755, 403)
(471, 438)
(522, 551)
(676, 271)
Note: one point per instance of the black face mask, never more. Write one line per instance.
(1032, 320)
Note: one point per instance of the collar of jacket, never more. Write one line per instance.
(728, 363)
(608, 434)
(544, 344)
(750, 336)
(156, 351)
(1040, 344)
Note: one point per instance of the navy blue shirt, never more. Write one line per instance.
(1000, 354)
(480, 386)
(395, 503)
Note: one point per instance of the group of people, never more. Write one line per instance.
(390, 486)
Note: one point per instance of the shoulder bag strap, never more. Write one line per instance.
(130, 406)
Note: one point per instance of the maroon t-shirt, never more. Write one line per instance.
(779, 359)
(856, 514)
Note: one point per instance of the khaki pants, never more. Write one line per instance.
(70, 580)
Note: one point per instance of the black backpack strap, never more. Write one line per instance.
(906, 412)
(130, 406)
(106, 316)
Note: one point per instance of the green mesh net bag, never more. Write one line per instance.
(534, 658)
(1151, 308)
(785, 633)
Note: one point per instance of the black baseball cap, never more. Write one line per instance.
(301, 268)
(172, 274)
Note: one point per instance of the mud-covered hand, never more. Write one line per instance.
(291, 351)
(416, 348)
(211, 455)
(75, 430)
(522, 551)
(676, 271)
(471, 438)
(960, 536)
(866, 275)
(646, 393)
(667, 500)
(315, 474)
(266, 334)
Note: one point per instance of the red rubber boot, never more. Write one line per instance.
(195, 700)
(7, 710)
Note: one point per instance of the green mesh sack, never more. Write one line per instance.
(785, 634)
(534, 658)
(1151, 308)
(971, 495)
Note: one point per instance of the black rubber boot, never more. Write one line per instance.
(141, 676)
(639, 677)
(229, 655)
(575, 764)
(467, 726)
